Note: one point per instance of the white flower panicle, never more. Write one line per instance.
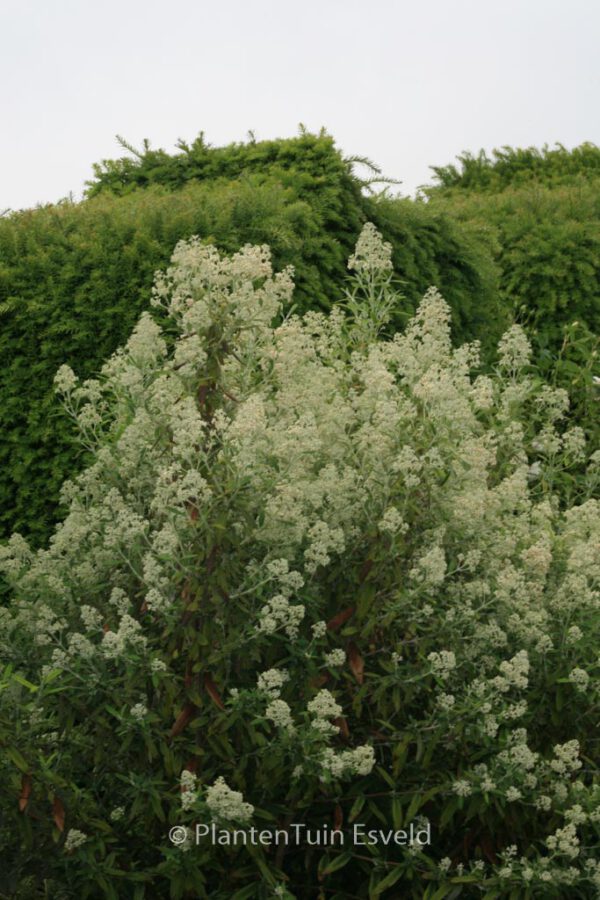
(278, 614)
(580, 678)
(319, 629)
(392, 522)
(189, 794)
(271, 681)
(226, 804)
(279, 712)
(139, 711)
(514, 349)
(128, 634)
(359, 761)
(442, 663)
(372, 253)
(74, 839)
(322, 708)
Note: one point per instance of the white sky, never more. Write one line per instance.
(408, 83)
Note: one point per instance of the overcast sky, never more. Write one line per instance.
(408, 83)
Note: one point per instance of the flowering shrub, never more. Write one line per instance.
(315, 574)
(74, 277)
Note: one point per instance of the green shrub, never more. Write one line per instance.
(314, 575)
(514, 167)
(309, 160)
(548, 256)
(431, 246)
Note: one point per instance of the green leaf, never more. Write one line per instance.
(246, 893)
(441, 892)
(356, 808)
(18, 760)
(338, 863)
(24, 682)
(389, 881)
(364, 600)
(397, 817)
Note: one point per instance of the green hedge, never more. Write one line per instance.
(512, 167)
(432, 246)
(311, 160)
(548, 256)
(74, 277)
(429, 247)
(548, 243)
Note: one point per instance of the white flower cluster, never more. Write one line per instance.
(442, 663)
(187, 784)
(392, 522)
(319, 629)
(324, 541)
(80, 646)
(65, 380)
(359, 761)
(279, 613)
(514, 671)
(514, 349)
(372, 254)
(128, 634)
(74, 839)
(566, 758)
(407, 464)
(462, 788)
(289, 581)
(322, 708)
(91, 618)
(119, 599)
(431, 569)
(271, 681)
(227, 804)
(580, 678)
(139, 711)
(279, 712)
(564, 841)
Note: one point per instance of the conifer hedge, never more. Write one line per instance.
(513, 167)
(542, 212)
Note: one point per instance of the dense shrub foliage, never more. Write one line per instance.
(513, 167)
(548, 243)
(546, 228)
(310, 160)
(432, 246)
(314, 574)
(75, 277)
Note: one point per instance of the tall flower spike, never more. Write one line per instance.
(372, 253)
